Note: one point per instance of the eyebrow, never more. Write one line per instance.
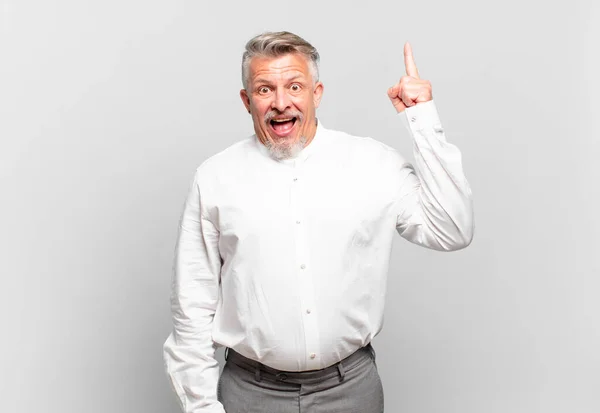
(263, 80)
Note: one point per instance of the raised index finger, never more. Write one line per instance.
(409, 61)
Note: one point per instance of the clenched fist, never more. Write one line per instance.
(410, 90)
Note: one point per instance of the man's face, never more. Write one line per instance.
(282, 100)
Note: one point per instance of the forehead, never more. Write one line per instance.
(286, 66)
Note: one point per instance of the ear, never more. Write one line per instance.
(245, 99)
(318, 93)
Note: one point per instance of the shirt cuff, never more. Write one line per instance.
(421, 116)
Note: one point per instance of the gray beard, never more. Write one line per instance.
(281, 152)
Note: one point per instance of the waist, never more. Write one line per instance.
(262, 371)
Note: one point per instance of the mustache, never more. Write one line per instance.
(288, 114)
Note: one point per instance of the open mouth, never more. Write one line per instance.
(282, 127)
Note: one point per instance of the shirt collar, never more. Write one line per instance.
(305, 153)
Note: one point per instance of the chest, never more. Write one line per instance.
(340, 199)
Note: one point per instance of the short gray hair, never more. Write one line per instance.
(277, 44)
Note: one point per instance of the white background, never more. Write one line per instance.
(108, 107)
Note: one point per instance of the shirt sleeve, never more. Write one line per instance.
(189, 351)
(434, 202)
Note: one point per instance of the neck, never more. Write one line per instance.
(310, 134)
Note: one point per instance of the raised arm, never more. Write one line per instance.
(434, 203)
(189, 352)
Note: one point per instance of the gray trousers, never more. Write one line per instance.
(351, 386)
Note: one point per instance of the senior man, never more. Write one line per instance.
(284, 243)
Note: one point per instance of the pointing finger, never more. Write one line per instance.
(409, 61)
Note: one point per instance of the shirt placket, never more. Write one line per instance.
(299, 192)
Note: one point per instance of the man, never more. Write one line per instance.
(284, 243)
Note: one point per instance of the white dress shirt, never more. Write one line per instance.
(286, 261)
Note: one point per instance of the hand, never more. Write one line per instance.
(410, 90)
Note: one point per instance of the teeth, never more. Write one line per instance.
(282, 120)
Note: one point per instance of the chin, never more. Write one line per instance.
(285, 150)
(284, 140)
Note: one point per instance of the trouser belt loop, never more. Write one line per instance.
(257, 373)
(341, 371)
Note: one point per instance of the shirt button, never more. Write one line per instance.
(308, 311)
(295, 179)
(413, 119)
(303, 266)
(297, 222)
(313, 355)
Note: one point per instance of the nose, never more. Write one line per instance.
(281, 100)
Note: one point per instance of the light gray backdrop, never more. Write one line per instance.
(108, 107)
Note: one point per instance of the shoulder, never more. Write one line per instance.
(226, 159)
(364, 147)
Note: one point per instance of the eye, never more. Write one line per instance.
(263, 90)
(295, 87)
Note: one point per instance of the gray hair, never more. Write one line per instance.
(277, 44)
